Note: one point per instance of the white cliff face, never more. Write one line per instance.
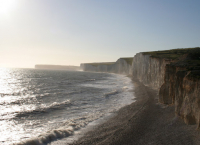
(149, 70)
(171, 81)
(88, 67)
(102, 68)
(120, 67)
(92, 68)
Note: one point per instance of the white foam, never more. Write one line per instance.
(49, 136)
(66, 130)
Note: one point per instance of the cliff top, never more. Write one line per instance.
(129, 60)
(172, 54)
(191, 62)
(187, 58)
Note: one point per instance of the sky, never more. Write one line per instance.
(70, 32)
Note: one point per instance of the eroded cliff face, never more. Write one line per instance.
(187, 98)
(119, 67)
(182, 88)
(174, 81)
(183, 91)
(150, 71)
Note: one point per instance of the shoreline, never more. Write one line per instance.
(77, 134)
(143, 122)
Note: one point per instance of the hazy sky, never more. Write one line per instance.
(69, 32)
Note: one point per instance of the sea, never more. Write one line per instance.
(49, 107)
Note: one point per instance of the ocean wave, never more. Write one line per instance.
(73, 92)
(10, 99)
(44, 109)
(48, 136)
(91, 80)
(3, 94)
(125, 87)
(88, 80)
(67, 129)
(92, 97)
(106, 95)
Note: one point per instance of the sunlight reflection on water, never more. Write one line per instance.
(38, 102)
(9, 84)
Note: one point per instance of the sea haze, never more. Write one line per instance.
(41, 106)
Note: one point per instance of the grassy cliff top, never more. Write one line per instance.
(101, 63)
(129, 60)
(172, 54)
(188, 58)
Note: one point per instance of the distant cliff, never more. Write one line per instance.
(121, 66)
(57, 67)
(175, 74)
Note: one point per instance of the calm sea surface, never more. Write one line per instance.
(42, 106)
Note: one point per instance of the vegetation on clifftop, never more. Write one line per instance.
(129, 60)
(188, 58)
(172, 53)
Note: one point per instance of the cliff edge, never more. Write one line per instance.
(175, 74)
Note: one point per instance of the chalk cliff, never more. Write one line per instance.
(149, 70)
(121, 66)
(175, 74)
(182, 87)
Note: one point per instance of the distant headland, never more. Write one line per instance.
(57, 67)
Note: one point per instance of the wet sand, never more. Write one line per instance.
(144, 122)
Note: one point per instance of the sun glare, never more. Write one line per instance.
(6, 6)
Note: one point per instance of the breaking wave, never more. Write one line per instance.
(48, 137)
(66, 129)
(45, 109)
(106, 95)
